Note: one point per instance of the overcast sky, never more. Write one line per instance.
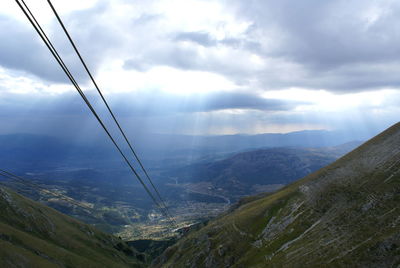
(205, 66)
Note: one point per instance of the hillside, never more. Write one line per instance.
(259, 170)
(97, 176)
(344, 215)
(33, 235)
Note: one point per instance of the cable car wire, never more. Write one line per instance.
(55, 54)
(105, 101)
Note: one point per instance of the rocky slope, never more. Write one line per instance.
(33, 235)
(344, 215)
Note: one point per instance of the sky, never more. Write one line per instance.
(204, 67)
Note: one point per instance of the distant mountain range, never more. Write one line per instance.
(256, 171)
(344, 215)
(33, 152)
(156, 150)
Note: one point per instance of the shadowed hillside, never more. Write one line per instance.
(344, 215)
(33, 235)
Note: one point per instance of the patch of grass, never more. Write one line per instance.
(54, 239)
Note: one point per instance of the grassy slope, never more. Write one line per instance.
(344, 215)
(33, 235)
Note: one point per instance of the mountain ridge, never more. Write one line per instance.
(251, 172)
(21, 149)
(345, 214)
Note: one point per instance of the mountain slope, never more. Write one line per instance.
(250, 172)
(33, 235)
(344, 215)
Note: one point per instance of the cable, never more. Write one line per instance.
(48, 43)
(105, 102)
(55, 54)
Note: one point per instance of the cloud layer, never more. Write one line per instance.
(336, 46)
(242, 66)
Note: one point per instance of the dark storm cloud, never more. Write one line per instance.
(142, 103)
(221, 101)
(189, 58)
(155, 111)
(176, 54)
(331, 34)
(20, 49)
(339, 45)
(157, 102)
(98, 38)
(66, 115)
(139, 103)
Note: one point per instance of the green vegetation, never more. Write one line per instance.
(344, 215)
(151, 248)
(33, 235)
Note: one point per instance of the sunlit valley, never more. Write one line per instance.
(197, 183)
(196, 133)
